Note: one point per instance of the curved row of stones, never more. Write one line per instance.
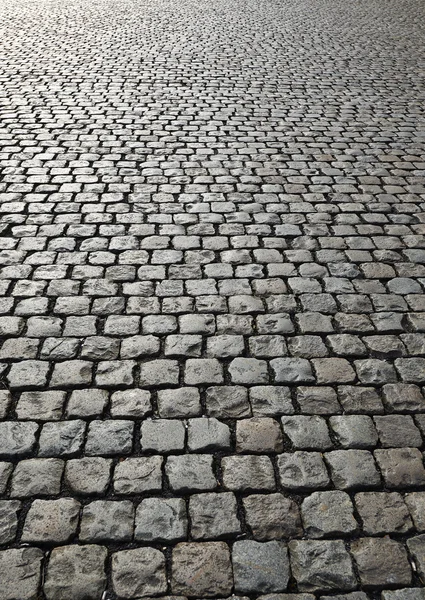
(212, 312)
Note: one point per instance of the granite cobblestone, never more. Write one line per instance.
(212, 300)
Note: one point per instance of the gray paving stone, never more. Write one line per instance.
(213, 516)
(140, 571)
(203, 240)
(87, 476)
(71, 373)
(107, 521)
(354, 431)
(20, 570)
(206, 435)
(394, 430)
(40, 406)
(162, 436)
(37, 477)
(159, 372)
(248, 473)
(5, 472)
(8, 520)
(248, 371)
(359, 399)
(272, 516)
(51, 521)
(87, 403)
(203, 371)
(415, 502)
(353, 469)
(401, 467)
(17, 438)
(161, 520)
(404, 594)
(403, 397)
(259, 435)
(201, 569)
(381, 562)
(227, 402)
(190, 473)
(260, 567)
(328, 514)
(138, 475)
(302, 471)
(77, 572)
(109, 438)
(63, 438)
(292, 370)
(179, 403)
(307, 432)
(382, 512)
(416, 546)
(318, 400)
(322, 565)
(270, 400)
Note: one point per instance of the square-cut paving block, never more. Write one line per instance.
(201, 569)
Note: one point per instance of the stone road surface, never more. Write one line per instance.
(213, 299)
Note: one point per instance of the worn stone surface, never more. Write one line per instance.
(327, 514)
(212, 299)
(107, 521)
(76, 572)
(20, 571)
(202, 569)
(383, 513)
(51, 521)
(272, 516)
(260, 567)
(161, 519)
(138, 572)
(381, 562)
(322, 565)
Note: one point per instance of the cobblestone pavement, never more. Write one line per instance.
(213, 311)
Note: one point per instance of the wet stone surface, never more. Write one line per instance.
(212, 300)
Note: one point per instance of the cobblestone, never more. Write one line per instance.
(212, 300)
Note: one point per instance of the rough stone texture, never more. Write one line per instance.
(161, 519)
(321, 565)
(138, 475)
(260, 567)
(202, 569)
(190, 473)
(328, 514)
(248, 473)
(16, 438)
(415, 502)
(416, 546)
(20, 573)
(51, 521)
(8, 520)
(138, 572)
(353, 469)
(213, 516)
(302, 471)
(258, 435)
(212, 293)
(106, 521)
(37, 477)
(76, 572)
(272, 516)
(381, 562)
(382, 512)
(404, 594)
